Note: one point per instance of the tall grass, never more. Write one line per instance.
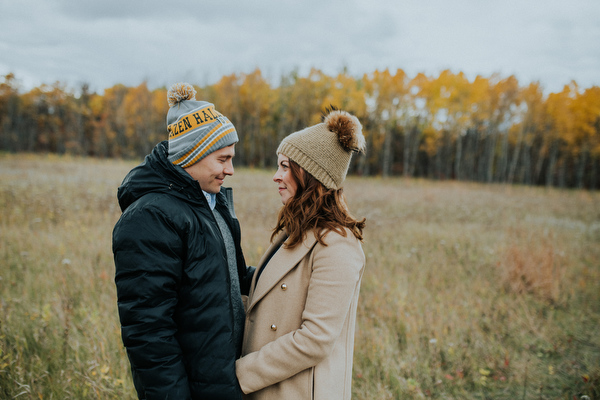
(471, 291)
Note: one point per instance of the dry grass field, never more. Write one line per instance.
(471, 291)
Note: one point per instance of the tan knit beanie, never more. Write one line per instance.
(324, 150)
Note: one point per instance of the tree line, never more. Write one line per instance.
(489, 129)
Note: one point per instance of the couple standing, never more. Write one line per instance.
(198, 323)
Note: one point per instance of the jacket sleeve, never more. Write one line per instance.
(336, 272)
(148, 259)
(246, 280)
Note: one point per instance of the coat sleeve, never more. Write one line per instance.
(336, 272)
(148, 259)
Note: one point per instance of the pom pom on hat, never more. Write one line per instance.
(325, 150)
(180, 92)
(347, 128)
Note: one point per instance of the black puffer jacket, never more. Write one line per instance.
(173, 284)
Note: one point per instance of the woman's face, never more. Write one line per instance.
(284, 179)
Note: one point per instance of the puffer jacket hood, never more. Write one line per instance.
(157, 175)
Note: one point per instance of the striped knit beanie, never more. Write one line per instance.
(324, 150)
(195, 128)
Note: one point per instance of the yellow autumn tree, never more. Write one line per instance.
(584, 141)
(386, 99)
(559, 129)
(255, 101)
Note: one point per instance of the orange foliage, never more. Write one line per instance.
(488, 129)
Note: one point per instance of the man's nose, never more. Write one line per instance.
(229, 169)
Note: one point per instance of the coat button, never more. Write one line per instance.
(283, 286)
(273, 327)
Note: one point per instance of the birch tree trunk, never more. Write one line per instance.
(593, 173)
(581, 167)
(406, 151)
(515, 158)
(491, 150)
(503, 160)
(458, 156)
(386, 159)
(551, 165)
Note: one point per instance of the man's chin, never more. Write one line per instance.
(214, 189)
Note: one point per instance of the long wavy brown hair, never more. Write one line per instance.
(313, 206)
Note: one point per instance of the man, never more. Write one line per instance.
(180, 271)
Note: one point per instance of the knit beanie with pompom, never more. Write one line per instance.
(195, 128)
(325, 150)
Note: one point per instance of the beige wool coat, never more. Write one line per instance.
(300, 321)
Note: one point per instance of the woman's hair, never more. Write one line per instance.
(313, 206)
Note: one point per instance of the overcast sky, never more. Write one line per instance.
(106, 42)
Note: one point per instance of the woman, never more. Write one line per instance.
(299, 330)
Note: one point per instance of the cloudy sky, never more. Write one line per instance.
(106, 42)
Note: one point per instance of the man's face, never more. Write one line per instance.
(210, 172)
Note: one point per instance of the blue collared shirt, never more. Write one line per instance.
(211, 198)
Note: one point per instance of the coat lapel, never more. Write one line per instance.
(279, 265)
(277, 241)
